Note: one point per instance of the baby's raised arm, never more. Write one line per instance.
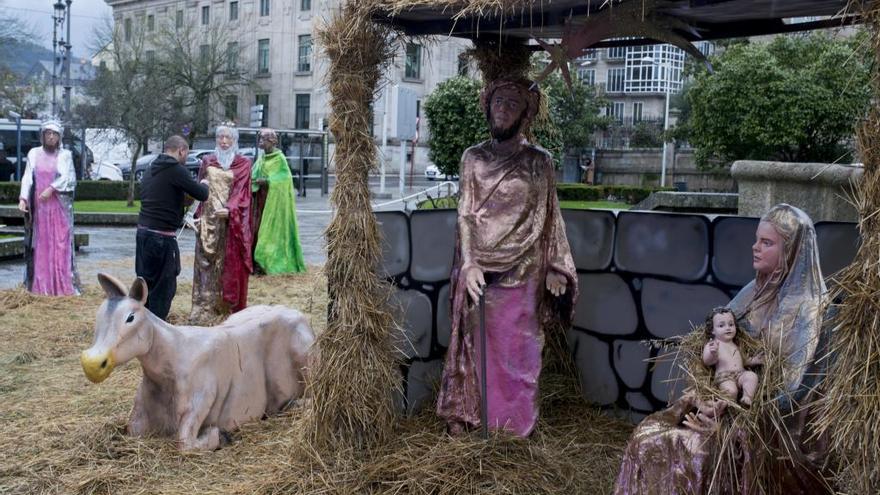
(710, 353)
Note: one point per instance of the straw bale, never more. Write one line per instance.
(355, 377)
(61, 434)
(849, 413)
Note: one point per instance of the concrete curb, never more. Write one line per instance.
(79, 218)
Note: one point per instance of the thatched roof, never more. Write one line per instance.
(693, 19)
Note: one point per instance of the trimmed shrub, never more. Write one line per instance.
(574, 192)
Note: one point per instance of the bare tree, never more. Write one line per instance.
(201, 66)
(14, 27)
(130, 94)
(27, 96)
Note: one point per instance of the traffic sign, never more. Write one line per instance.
(256, 116)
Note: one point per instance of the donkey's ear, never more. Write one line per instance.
(113, 288)
(138, 290)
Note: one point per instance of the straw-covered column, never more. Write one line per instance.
(352, 385)
(850, 411)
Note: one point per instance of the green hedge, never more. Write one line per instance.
(584, 192)
(85, 189)
(574, 192)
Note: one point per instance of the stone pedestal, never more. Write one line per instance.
(820, 189)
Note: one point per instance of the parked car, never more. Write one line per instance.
(432, 173)
(192, 164)
(106, 171)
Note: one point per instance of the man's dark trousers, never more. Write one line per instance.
(157, 260)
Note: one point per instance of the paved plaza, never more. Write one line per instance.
(112, 249)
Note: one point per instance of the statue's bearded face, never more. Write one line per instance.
(506, 110)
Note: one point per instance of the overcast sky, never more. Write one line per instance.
(87, 15)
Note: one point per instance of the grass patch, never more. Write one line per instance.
(590, 205)
(452, 202)
(105, 206)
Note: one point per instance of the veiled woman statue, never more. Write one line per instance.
(672, 451)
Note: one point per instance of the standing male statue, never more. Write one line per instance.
(223, 244)
(511, 249)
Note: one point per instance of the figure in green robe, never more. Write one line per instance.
(277, 248)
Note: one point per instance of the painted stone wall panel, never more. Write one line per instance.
(732, 241)
(433, 244)
(605, 304)
(394, 228)
(598, 381)
(838, 243)
(662, 244)
(591, 238)
(415, 315)
(671, 308)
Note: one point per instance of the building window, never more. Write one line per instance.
(178, 19)
(301, 119)
(587, 76)
(305, 5)
(206, 15)
(127, 29)
(151, 22)
(617, 52)
(151, 55)
(264, 100)
(231, 58)
(230, 107)
(233, 11)
(413, 65)
(637, 111)
(264, 8)
(263, 57)
(304, 54)
(615, 111)
(589, 54)
(615, 80)
(463, 65)
(654, 69)
(204, 55)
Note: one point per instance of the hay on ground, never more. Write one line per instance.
(61, 434)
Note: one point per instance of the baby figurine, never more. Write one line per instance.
(722, 353)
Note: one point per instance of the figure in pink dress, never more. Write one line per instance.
(46, 197)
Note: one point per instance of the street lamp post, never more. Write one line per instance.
(67, 58)
(57, 20)
(667, 71)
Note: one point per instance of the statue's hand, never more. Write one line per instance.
(556, 282)
(474, 281)
(47, 193)
(22, 205)
(700, 423)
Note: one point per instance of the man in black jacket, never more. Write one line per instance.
(157, 258)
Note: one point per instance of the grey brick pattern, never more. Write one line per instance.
(642, 276)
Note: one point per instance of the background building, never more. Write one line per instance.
(278, 39)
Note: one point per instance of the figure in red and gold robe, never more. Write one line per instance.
(512, 249)
(223, 244)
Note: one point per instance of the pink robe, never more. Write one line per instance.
(509, 225)
(52, 234)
